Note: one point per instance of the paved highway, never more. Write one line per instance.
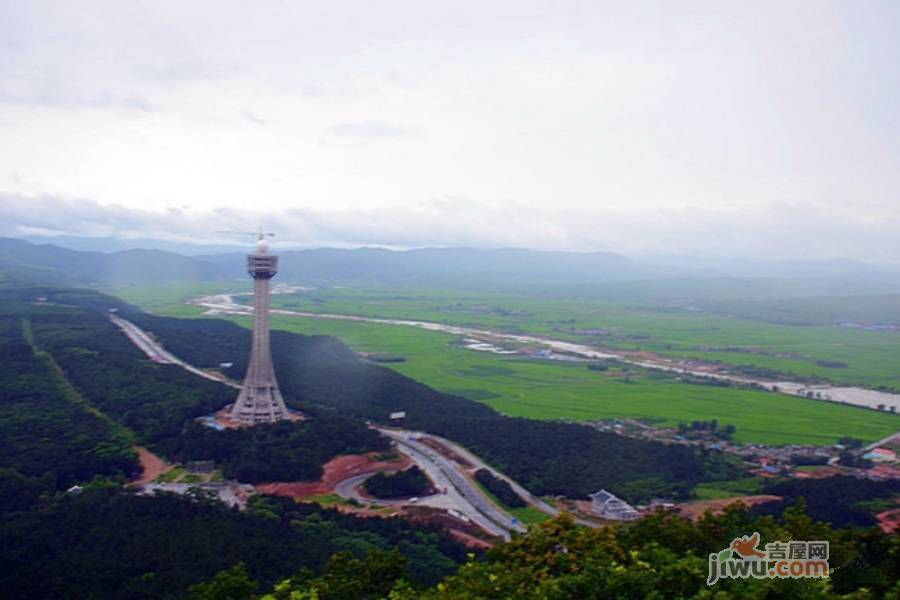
(157, 353)
(533, 500)
(480, 464)
(445, 473)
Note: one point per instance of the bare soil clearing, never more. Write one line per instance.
(695, 510)
(152, 466)
(336, 470)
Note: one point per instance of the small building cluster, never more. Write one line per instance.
(608, 506)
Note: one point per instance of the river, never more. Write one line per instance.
(224, 304)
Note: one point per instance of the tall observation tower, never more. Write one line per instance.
(260, 400)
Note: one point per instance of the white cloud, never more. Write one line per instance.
(718, 127)
(774, 231)
(375, 130)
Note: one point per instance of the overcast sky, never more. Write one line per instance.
(736, 128)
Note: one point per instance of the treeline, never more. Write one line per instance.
(402, 484)
(108, 543)
(835, 500)
(49, 439)
(500, 488)
(546, 457)
(707, 427)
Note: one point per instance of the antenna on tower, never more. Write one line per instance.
(261, 234)
(262, 246)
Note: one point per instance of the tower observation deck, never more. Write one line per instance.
(260, 399)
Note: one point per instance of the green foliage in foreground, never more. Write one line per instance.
(659, 557)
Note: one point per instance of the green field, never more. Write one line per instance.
(170, 298)
(728, 489)
(550, 389)
(871, 358)
(526, 515)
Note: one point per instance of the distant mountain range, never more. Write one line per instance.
(429, 266)
(460, 268)
(24, 261)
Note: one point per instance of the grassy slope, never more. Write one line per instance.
(555, 390)
(525, 514)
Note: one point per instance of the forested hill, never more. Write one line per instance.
(22, 261)
(50, 438)
(74, 388)
(107, 543)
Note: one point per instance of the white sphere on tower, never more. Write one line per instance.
(262, 246)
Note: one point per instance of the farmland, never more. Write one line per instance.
(551, 389)
(840, 354)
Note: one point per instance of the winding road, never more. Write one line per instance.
(469, 500)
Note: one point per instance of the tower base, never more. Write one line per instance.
(259, 405)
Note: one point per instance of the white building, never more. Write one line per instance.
(608, 506)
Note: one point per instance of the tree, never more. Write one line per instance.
(850, 442)
(231, 584)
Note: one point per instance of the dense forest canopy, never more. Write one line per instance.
(402, 484)
(110, 544)
(49, 437)
(838, 500)
(284, 451)
(500, 488)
